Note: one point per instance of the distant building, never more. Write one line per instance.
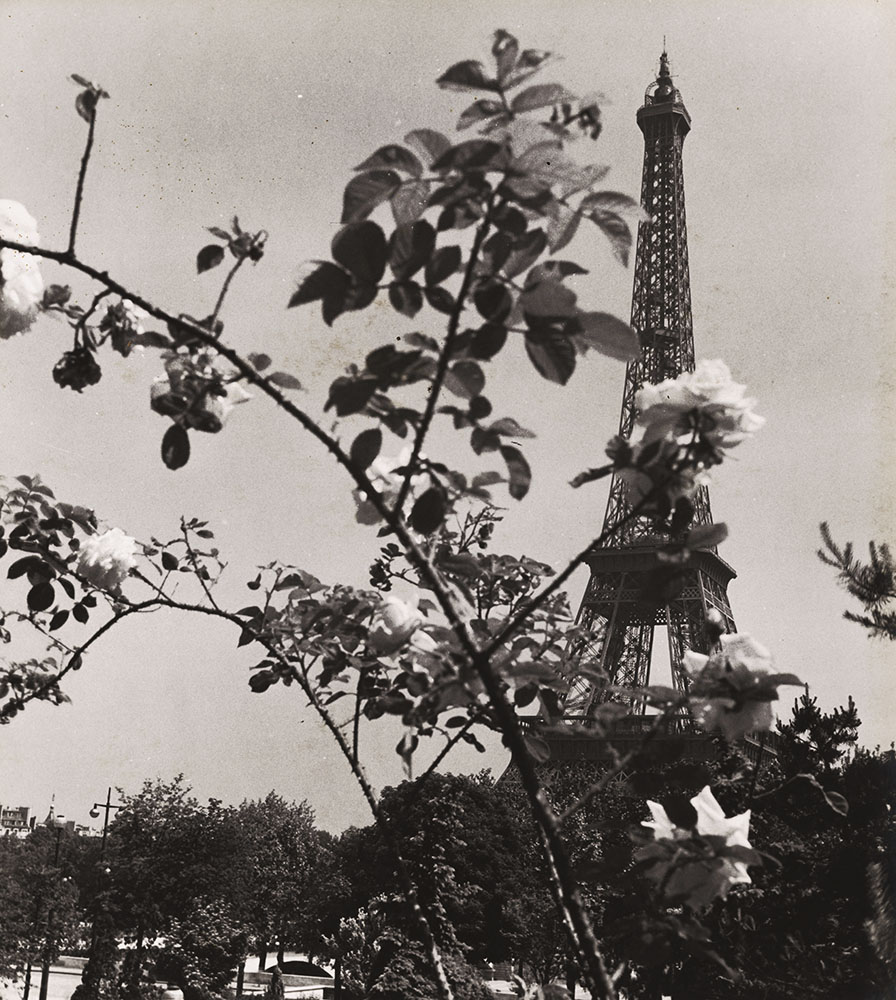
(16, 821)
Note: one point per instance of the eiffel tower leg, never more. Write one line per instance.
(686, 622)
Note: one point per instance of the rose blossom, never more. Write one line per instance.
(725, 417)
(396, 623)
(21, 285)
(732, 689)
(387, 482)
(106, 560)
(691, 876)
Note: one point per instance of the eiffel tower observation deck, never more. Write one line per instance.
(622, 606)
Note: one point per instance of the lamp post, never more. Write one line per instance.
(92, 975)
(59, 824)
(107, 807)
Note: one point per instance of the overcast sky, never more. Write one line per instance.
(262, 109)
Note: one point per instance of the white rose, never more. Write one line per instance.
(700, 883)
(730, 688)
(107, 559)
(395, 624)
(712, 382)
(387, 483)
(21, 285)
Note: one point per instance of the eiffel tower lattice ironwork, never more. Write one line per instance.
(619, 619)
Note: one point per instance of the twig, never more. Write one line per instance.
(444, 357)
(79, 190)
(224, 288)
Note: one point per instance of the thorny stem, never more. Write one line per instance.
(237, 265)
(79, 190)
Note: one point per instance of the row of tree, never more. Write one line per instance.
(191, 889)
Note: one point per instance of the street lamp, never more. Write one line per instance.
(107, 807)
(59, 825)
(91, 978)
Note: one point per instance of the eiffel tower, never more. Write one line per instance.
(618, 612)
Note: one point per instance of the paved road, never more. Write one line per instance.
(61, 985)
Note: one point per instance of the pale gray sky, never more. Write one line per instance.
(262, 109)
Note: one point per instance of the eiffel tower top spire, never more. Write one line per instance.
(661, 295)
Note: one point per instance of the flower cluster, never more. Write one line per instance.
(106, 560)
(732, 689)
(195, 392)
(21, 285)
(698, 864)
(687, 423)
(396, 624)
(385, 476)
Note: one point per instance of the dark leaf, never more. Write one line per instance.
(364, 192)
(607, 334)
(169, 562)
(428, 142)
(520, 473)
(465, 379)
(428, 512)
(209, 257)
(510, 220)
(284, 380)
(175, 447)
(406, 297)
(319, 280)
(492, 301)
(80, 614)
(350, 395)
(487, 341)
(245, 638)
(410, 248)
(440, 299)
(360, 247)
(548, 300)
(484, 440)
(25, 565)
(41, 596)
(681, 812)
(540, 96)
(478, 111)
(259, 361)
(480, 408)
(366, 447)
(58, 620)
(552, 353)
(442, 264)
(393, 156)
(466, 75)
(262, 680)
